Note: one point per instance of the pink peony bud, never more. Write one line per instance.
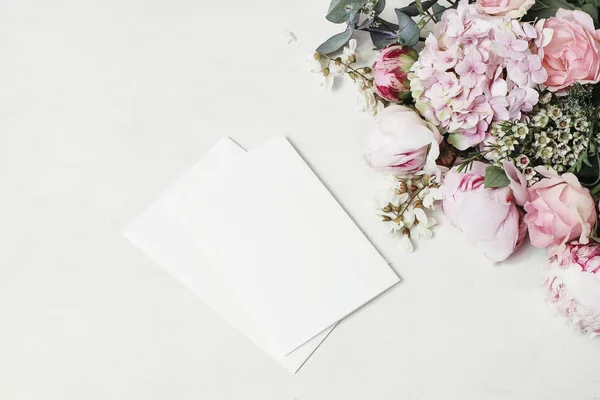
(390, 71)
(572, 286)
(403, 143)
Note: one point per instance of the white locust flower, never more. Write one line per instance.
(431, 196)
(367, 102)
(406, 244)
(314, 65)
(408, 217)
(349, 52)
(327, 81)
(422, 231)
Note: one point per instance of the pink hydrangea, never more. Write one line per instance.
(572, 286)
(476, 69)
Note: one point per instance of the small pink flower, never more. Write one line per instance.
(559, 210)
(509, 46)
(469, 68)
(528, 72)
(467, 203)
(572, 286)
(521, 100)
(573, 53)
(390, 71)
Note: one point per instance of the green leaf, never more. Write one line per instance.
(380, 6)
(592, 10)
(438, 11)
(593, 2)
(417, 7)
(547, 8)
(365, 24)
(408, 31)
(381, 39)
(336, 42)
(495, 177)
(342, 10)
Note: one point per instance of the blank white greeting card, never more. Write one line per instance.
(286, 249)
(158, 233)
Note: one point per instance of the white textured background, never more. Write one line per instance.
(103, 103)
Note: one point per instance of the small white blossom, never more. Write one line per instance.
(422, 231)
(328, 81)
(349, 51)
(367, 102)
(409, 217)
(406, 244)
(314, 65)
(432, 195)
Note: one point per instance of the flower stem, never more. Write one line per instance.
(410, 200)
(356, 71)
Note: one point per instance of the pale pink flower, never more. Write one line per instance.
(467, 203)
(573, 53)
(509, 46)
(521, 100)
(476, 49)
(403, 143)
(508, 8)
(528, 72)
(470, 68)
(572, 286)
(559, 210)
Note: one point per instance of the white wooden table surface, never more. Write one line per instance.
(103, 103)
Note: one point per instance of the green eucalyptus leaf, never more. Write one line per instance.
(336, 42)
(418, 7)
(438, 11)
(379, 7)
(408, 31)
(381, 39)
(547, 8)
(495, 177)
(365, 24)
(593, 2)
(411, 10)
(342, 10)
(591, 10)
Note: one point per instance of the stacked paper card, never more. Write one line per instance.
(258, 238)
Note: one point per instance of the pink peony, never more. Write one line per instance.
(402, 142)
(559, 210)
(573, 286)
(462, 81)
(390, 71)
(573, 53)
(508, 8)
(488, 217)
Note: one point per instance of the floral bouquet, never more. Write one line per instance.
(494, 113)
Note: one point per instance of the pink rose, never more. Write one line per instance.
(572, 286)
(560, 210)
(390, 71)
(505, 8)
(402, 142)
(572, 54)
(488, 217)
